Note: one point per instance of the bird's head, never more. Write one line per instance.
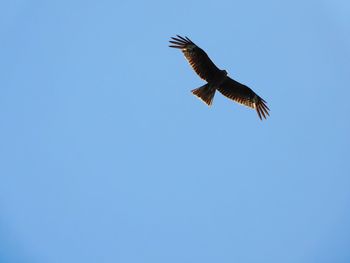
(225, 72)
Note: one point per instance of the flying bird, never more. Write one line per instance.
(217, 79)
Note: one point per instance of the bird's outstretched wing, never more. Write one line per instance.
(197, 58)
(244, 95)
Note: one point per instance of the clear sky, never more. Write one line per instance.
(106, 156)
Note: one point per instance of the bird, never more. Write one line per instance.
(217, 79)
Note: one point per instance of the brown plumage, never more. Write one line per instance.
(217, 79)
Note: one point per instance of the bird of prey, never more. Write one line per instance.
(217, 79)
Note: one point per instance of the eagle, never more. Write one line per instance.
(217, 79)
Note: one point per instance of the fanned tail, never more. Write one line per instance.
(205, 93)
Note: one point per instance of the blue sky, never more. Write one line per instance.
(106, 156)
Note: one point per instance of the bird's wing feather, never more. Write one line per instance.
(244, 95)
(197, 58)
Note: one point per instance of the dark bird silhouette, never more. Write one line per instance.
(217, 79)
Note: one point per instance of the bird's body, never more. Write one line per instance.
(217, 79)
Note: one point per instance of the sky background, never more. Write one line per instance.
(106, 156)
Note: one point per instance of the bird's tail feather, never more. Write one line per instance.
(205, 93)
